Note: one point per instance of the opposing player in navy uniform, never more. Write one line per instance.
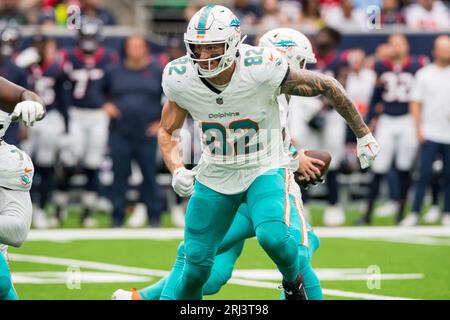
(46, 76)
(394, 124)
(87, 64)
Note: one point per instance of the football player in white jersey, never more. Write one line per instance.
(298, 51)
(231, 90)
(16, 175)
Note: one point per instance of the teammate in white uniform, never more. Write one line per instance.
(16, 176)
(231, 90)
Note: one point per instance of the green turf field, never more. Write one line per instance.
(352, 263)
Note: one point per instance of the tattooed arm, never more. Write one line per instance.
(309, 84)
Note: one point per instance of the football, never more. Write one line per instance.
(317, 154)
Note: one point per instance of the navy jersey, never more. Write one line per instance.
(13, 73)
(10, 71)
(50, 82)
(137, 94)
(87, 75)
(394, 83)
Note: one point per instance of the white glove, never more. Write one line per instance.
(367, 150)
(29, 112)
(183, 182)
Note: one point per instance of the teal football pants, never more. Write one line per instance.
(231, 247)
(7, 291)
(209, 215)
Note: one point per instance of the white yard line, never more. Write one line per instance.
(87, 264)
(327, 292)
(160, 273)
(168, 234)
(422, 240)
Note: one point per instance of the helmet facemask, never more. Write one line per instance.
(225, 58)
(5, 121)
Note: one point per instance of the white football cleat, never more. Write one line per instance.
(432, 215)
(386, 210)
(411, 220)
(126, 295)
(334, 216)
(139, 217)
(446, 220)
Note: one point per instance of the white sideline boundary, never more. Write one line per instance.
(161, 273)
(387, 233)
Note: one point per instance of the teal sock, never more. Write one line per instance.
(12, 294)
(311, 281)
(153, 292)
(168, 291)
(7, 291)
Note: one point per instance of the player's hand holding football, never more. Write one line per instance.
(28, 112)
(308, 167)
(367, 150)
(183, 182)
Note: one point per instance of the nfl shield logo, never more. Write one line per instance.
(219, 100)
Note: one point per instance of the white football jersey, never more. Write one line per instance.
(241, 126)
(16, 168)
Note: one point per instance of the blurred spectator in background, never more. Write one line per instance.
(430, 107)
(311, 18)
(57, 12)
(291, 10)
(135, 110)
(325, 4)
(88, 128)
(364, 4)
(429, 15)
(272, 18)
(10, 12)
(247, 12)
(346, 17)
(93, 9)
(391, 14)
